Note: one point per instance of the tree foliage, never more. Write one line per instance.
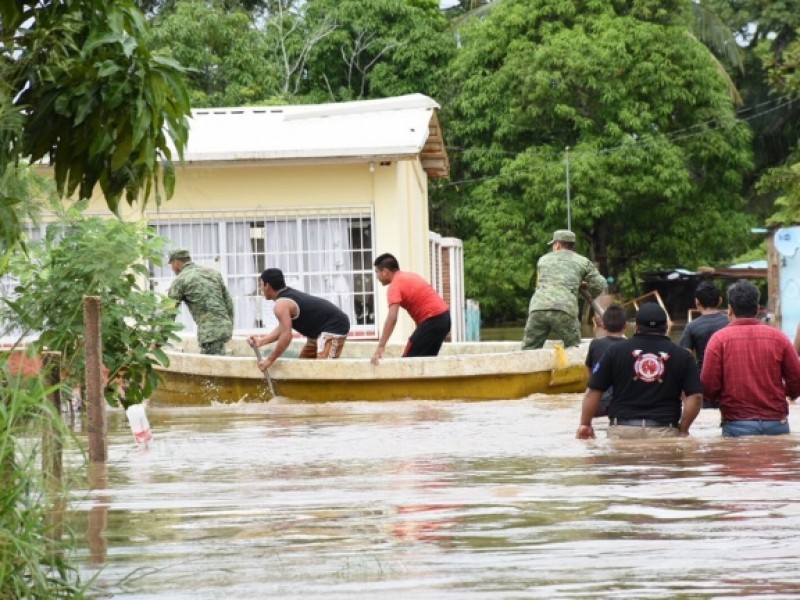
(90, 97)
(96, 257)
(654, 145)
(227, 57)
(379, 48)
(764, 30)
(784, 75)
(311, 51)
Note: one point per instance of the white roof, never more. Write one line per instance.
(389, 127)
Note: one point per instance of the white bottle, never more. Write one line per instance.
(140, 426)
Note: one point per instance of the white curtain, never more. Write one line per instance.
(330, 263)
(282, 250)
(242, 277)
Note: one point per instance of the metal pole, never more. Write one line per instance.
(569, 203)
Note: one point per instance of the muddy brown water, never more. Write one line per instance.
(433, 500)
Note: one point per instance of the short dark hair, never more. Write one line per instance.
(743, 299)
(707, 294)
(387, 261)
(274, 278)
(615, 319)
(567, 245)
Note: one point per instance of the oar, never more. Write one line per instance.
(266, 371)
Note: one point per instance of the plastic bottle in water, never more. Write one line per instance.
(140, 426)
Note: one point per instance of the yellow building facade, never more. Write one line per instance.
(318, 191)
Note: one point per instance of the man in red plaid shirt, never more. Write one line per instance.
(751, 368)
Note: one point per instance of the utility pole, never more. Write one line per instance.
(569, 201)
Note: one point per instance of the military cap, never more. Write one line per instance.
(562, 235)
(179, 254)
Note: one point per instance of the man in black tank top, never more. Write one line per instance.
(324, 324)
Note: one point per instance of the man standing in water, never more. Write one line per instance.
(649, 374)
(210, 304)
(750, 368)
(554, 305)
(698, 331)
(411, 292)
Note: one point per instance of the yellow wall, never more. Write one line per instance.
(397, 190)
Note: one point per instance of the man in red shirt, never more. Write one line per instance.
(750, 368)
(411, 292)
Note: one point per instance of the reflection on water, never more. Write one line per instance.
(435, 500)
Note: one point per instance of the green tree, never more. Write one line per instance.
(654, 144)
(292, 37)
(784, 75)
(764, 30)
(227, 56)
(379, 48)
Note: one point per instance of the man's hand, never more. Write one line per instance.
(376, 358)
(252, 340)
(266, 364)
(585, 432)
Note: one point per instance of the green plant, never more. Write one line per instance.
(33, 560)
(105, 258)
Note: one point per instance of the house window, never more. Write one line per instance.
(325, 253)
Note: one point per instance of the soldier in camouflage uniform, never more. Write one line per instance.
(204, 292)
(554, 305)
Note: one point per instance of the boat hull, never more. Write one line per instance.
(194, 379)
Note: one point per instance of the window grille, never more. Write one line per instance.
(325, 252)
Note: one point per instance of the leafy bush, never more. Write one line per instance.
(105, 258)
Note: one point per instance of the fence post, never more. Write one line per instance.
(95, 401)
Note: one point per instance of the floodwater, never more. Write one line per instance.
(433, 500)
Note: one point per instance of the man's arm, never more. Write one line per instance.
(388, 328)
(711, 375)
(691, 408)
(176, 291)
(282, 334)
(594, 279)
(686, 339)
(591, 402)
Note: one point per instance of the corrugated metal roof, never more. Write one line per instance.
(386, 128)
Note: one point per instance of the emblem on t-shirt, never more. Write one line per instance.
(649, 367)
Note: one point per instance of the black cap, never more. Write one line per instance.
(651, 315)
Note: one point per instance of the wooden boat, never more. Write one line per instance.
(465, 371)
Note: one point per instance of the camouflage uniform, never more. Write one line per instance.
(554, 305)
(211, 306)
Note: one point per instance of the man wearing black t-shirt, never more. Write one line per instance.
(698, 331)
(649, 374)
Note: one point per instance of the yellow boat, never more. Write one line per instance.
(462, 371)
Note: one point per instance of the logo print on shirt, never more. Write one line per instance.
(649, 367)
